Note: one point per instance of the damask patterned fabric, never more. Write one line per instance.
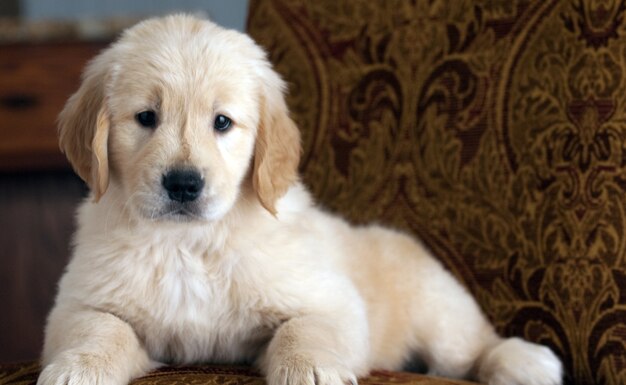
(27, 373)
(493, 130)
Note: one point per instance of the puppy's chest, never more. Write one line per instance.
(197, 312)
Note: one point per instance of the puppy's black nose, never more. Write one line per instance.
(183, 185)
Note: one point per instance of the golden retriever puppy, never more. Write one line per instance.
(199, 244)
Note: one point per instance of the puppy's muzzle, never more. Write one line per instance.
(183, 185)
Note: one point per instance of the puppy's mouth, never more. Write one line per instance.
(160, 210)
(181, 212)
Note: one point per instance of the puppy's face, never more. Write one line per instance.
(184, 116)
(178, 113)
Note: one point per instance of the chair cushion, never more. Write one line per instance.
(27, 373)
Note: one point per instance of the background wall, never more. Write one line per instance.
(231, 13)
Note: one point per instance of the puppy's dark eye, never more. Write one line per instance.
(222, 123)
(147, 119)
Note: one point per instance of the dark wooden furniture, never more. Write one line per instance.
(35, 81)
(38, 190)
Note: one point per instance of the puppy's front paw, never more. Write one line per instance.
(79, 369)
(304, 369)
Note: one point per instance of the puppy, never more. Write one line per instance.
(199, 244)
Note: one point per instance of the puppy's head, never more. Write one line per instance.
(177, 114)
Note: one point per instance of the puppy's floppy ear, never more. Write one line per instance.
(277, 151)
(84, 127)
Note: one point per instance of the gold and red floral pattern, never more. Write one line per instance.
(493, 130)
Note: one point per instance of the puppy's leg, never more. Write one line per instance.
(88, 347)
(456, 339)
(328, 348)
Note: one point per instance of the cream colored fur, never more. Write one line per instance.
(252, 271)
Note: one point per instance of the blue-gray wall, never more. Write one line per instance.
(229, 13)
